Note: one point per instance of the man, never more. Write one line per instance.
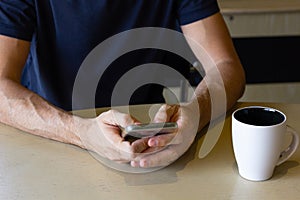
(44, 42)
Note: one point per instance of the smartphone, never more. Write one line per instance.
(136, 131)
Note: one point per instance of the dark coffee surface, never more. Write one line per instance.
(259, 116)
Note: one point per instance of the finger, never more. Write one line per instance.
(151, 150)
(163, 114)
(113, 137)
(165, 139)
(136, 161)
(140, 145)
(160, 159)
(116, 118)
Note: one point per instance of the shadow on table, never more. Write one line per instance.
(282, 169)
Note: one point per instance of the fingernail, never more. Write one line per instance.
(134, 164)
(153, 143)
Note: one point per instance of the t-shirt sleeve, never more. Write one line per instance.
(17, 18)
(192, 10)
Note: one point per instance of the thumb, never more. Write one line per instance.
(164, 113)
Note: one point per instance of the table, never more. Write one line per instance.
(36, 168)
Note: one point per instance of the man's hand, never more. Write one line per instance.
(165, 149)
(102, 135)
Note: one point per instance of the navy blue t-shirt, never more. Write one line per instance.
(63, 33)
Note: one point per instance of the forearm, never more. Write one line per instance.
(29, 112)
(220, 89)
(224, 79)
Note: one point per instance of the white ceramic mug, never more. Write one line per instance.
(258, 136)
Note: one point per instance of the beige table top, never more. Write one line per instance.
(35, 168)
(255, 6)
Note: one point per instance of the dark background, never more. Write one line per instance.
(267, 59)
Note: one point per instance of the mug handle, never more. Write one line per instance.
(288, 152)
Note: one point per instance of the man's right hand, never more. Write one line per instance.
(102, 135)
